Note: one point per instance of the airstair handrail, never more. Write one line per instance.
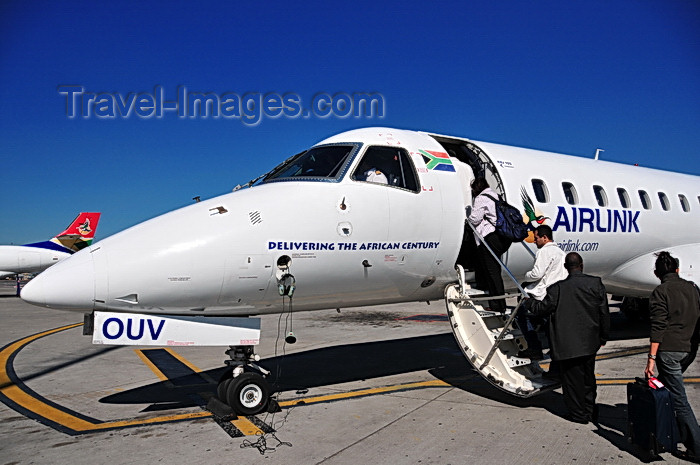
(503, 266)
(524, 295)
(532, 254)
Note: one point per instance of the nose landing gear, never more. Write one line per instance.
(244, 389)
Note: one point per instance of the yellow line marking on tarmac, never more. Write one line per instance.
(148, 421)
(190, 365)
(612, 382)
(24, 399)
(17, 345)
(424, 384)
(161, 376)
(624, 353)
(247, 427)
(183, 360)
(154, 368)
(363, 392)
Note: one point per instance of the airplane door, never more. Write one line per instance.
(415, 221)
(471, 161)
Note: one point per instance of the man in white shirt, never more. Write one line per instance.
(547, 270)
(549, 264)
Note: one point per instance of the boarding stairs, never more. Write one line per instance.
(491, 340)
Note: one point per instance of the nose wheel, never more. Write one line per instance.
(248, 393)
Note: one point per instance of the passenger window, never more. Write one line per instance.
(644, 198)
(540, 188)
(664, 201)
(570, 193)
(684, 203)
(624, 198)
(387, 165)
(600, 196)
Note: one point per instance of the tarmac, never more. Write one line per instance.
(383, 384)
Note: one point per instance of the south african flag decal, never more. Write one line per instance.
(438, 161)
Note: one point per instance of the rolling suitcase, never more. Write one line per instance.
(650, 418)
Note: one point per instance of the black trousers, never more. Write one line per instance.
(490, 270)
(579, 387)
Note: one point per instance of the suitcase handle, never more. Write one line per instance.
(652, 382)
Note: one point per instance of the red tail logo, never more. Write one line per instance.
(84, 224)
(80, 232)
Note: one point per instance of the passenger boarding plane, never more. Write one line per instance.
(32, 258)
(368, 216)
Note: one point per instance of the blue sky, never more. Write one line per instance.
(562, 76)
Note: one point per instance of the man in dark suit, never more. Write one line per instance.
(579, 326)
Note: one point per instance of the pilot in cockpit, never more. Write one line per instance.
(380, 165)
(369, 170)
(376, 175)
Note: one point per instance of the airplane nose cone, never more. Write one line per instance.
(67, 285)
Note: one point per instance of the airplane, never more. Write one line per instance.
(38, 256)
(319, 232)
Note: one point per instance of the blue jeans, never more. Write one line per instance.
(671, 366)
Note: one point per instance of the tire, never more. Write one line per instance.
(224, 381)
(222, 389)
(248, 394)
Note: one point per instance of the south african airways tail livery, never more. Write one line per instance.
(372, 216)
(36, 257)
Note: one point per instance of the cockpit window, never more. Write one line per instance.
(387, 165)
(320, 163)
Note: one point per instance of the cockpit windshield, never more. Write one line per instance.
(323, 163)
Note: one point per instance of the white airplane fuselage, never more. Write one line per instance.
(16, 259)
(356, 243)
(38, 256)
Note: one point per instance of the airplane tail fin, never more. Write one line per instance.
(80, 233)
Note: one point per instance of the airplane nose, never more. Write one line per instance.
(67, 285)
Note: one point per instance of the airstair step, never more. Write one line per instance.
(488, 313)
(514, 361)
(473, 292)
(507, 336)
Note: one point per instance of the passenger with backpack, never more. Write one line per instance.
(483, 216)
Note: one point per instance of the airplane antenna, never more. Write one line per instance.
(197, 199)
(597, 152)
